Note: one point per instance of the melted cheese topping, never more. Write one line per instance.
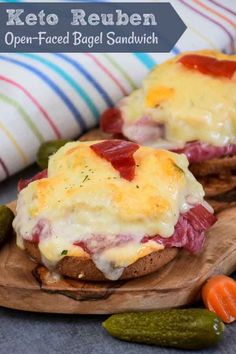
(191, 105)
(85, 199)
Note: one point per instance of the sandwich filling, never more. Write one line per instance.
(187, 104)
(113, 201)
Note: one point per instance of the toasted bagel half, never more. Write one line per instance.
(84, 268)
(214, 166)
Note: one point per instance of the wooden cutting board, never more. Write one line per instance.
(176, 284)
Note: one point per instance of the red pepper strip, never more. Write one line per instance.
(120, 154)
(24, 182)
(111, 121)
(209, 66)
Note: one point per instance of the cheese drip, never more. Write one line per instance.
(84, 199)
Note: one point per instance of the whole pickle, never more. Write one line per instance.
(47, 149)
(181, 328)
(6, 218)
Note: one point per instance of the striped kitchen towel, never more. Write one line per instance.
(50, 96)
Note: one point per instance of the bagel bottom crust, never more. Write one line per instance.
(85, 269)
(214, 166)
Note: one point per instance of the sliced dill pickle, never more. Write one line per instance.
(180, 328)
(6, 218)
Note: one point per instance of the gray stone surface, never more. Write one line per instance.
(35, 333)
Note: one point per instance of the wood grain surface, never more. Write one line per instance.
(26, 286)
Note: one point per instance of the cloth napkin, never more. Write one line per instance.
(51, 96)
